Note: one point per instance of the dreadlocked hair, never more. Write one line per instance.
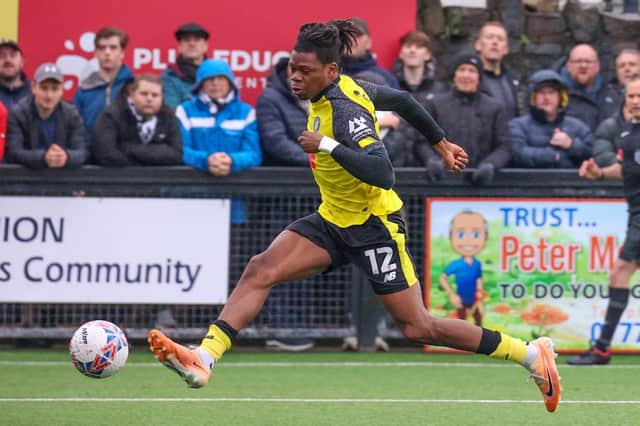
(328, 41)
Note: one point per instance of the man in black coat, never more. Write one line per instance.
(46, 131)
(616, 158)
(473, 120)
(138, 129)
(281, 120)
(497, 80)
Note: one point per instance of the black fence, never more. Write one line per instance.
(317, 307)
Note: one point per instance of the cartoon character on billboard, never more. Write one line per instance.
(468, 233)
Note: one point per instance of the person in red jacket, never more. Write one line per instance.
(3, 129)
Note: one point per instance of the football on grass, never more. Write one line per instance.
(99, 349)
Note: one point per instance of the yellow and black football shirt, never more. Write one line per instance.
(345, 113)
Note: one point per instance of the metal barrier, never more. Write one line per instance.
(318, 307)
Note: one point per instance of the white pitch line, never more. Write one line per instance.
(232, 364)
(319, 400)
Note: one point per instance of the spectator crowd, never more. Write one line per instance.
(193, 114)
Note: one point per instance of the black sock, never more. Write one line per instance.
(228, 330)
(618, 298)
(489, 341)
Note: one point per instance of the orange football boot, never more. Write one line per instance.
(182, 360)
(545, 373)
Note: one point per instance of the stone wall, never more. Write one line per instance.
(539, 36)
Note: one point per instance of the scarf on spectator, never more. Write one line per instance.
(188, 68)
(217, 104)
(591, 93)
(146, 129)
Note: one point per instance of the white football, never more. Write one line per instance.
(99, 349)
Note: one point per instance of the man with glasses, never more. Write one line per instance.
(581, 74)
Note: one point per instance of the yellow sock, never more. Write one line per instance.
(216, 342)
(510, 348)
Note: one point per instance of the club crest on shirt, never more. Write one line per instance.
(316, 124)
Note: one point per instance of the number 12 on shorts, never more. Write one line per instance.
(386, 265)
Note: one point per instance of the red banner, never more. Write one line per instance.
(251, 37)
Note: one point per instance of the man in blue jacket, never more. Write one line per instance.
(101, 87)
(219, 130)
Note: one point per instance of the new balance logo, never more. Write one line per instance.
(390, 277)
(357, 125)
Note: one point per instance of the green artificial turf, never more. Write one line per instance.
(41, 387)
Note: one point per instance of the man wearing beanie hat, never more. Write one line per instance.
(465, 58)
(547, 137)
(473, 119)
(178, 78)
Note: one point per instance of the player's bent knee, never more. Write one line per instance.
(259, 272)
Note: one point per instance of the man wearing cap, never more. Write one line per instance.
(547, 137)
(178, 78)
(219, 130)
(473, 119)
(45, 130)
(14, 84)
(101, 87)
(361, 59)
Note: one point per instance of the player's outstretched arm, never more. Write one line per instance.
(388, 99)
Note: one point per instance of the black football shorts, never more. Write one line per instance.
(378, 247)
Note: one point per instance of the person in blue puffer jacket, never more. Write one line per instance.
(547, 137)
(219, 130)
